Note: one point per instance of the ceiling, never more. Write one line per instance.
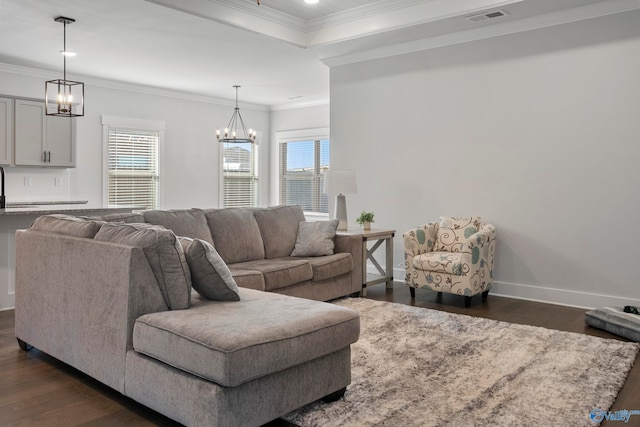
(279, 51)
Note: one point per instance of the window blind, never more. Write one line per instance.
(240, 174)
(302, 168)
(133, 168)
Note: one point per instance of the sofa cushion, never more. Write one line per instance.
(279, 272)
(183, 222)
(236, 235)
(330, 266)
(315, 238)
(210, 276)
(279, 228)
(67, 225)
(252, 279)
(454, 231)
(164, 253)
(230, 343)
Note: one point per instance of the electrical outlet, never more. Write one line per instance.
(27, 181)
(57, 181)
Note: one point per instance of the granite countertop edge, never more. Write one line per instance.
(71, 208)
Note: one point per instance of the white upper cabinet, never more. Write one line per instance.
(42, 140)
(6, 130)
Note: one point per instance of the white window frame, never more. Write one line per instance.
(312, 134)
(256, 174)
(134, 124)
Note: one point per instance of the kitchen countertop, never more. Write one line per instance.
(71, 208)
(48, 202)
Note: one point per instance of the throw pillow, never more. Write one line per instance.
(315, 238)
(164, 253)
(454, 231)
(279, 228)
(210, 276)
(67, 225)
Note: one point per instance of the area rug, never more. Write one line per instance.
(419, 367)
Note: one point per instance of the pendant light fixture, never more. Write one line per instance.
(64, 98)
(231, 132)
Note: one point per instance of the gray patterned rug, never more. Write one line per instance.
(419, 367)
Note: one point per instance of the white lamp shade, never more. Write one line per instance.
(340, 182)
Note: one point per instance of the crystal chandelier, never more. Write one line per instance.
(231, 132)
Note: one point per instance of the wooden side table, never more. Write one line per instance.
(378, 236)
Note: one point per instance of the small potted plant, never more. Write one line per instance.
(365, 219)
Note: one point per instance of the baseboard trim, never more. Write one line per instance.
(565, 297)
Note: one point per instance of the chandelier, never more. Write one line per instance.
(64, 98)
(231, 132)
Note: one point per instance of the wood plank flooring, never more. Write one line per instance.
(38, 390)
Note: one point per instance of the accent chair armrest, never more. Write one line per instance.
(420, 240)
(482, 246)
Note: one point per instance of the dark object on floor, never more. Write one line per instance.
(631, 309)
(616, 321)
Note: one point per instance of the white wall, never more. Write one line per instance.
(190, 157)
(537, 133)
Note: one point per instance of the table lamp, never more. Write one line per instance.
(340, 182)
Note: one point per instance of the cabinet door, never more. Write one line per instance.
(59, 141)
(6, 131)
(29, 133)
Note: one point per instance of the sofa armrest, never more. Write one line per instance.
(347, 243)
(77, 300)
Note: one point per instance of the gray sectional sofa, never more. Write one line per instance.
(113, 299)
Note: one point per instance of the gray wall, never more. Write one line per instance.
(536, 132)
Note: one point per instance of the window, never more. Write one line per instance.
(302, 168)
(240, 174)
(132, 162)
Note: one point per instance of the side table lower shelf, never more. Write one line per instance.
(378, 236)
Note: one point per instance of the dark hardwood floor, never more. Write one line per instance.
(38, 390)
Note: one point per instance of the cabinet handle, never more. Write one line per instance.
(44, 156)
(49, 156)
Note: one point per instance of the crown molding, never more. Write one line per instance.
(238, 14)
(371, 52)
(297, 105)
(130, 87)
(360, 12)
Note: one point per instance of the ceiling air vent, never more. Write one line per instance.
(486, 15)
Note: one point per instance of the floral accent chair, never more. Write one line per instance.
(455, 256)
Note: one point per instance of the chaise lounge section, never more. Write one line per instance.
(115, 312)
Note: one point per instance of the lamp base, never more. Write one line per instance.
(341, 212)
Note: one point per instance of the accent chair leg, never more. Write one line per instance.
(467, 301)
(336, 395)
(412, 291)
(485, 294)
(23, 345)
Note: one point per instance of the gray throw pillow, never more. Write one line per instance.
(67, 225)
(210, 276)
(164, 253)
(315, 238)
